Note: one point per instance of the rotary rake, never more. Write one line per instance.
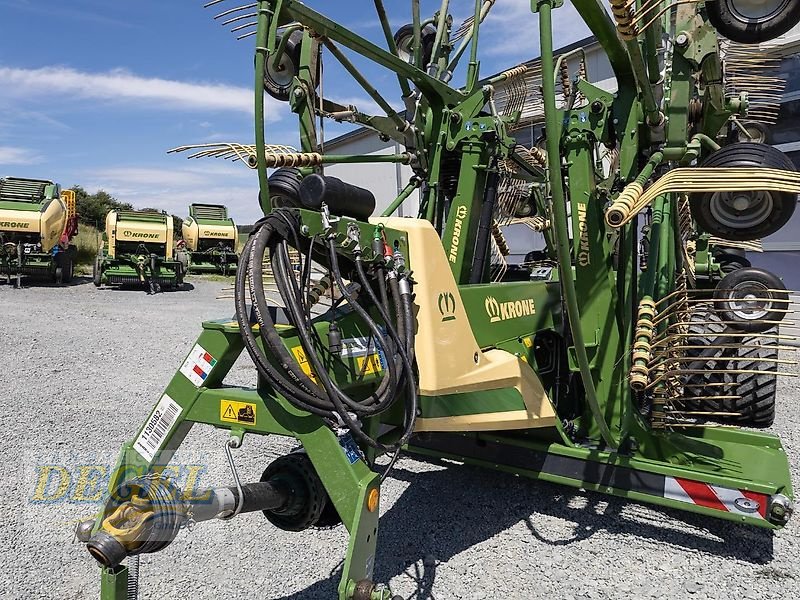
(623, 361)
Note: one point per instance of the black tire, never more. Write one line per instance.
(69, 269)
(761, 213)
(96, 273)
(755, 405)
(750, 25)
(284, 188)
(308, 497)
(743, 298)
(404, 40)
(278, 82)
(58, 277)
(730, 262)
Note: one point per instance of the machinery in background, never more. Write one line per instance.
(610, 368)
(137, 249)
(209, 241)
(37, 222)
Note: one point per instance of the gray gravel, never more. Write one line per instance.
(83, 367)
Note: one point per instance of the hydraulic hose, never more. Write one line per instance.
(321, 395)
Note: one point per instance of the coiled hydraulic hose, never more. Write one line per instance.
(321, 396)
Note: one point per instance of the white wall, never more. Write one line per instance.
(385, 180)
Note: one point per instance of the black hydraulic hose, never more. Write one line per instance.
(413, 400)
(265, 368)
(484, 228)
(394, 287)
(379, 398)
(268, 333)
(327, 401)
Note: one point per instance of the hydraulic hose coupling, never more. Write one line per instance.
(620, 210)
(623, 15)
(642, 349)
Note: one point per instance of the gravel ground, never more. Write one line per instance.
(82, 369)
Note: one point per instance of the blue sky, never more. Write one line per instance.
(94, 92)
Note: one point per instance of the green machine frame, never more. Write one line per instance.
(592, 298)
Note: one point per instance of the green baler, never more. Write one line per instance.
(209, 240)
(138, 250)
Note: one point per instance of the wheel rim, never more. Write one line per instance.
(750, 11)
(749, 301)
(404, 48)
(752, 135)
(741, 210)
(283, 75)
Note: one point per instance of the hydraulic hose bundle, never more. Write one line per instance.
(323, 397)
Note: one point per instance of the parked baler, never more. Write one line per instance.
(138, 250)
(37, 222)
(209, 240)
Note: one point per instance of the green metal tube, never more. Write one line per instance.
(553, 130)
(283, 43)
(407, 191)
(472, 68)
(342, 159)
(399, 121)
(264, 14)
(649, 277)
(387, 32)
(666, 255)
(440, 28)
(651, 109)
(651, 38)
(417, 27)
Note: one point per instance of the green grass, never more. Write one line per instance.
(87, 241)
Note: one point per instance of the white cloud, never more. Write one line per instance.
(512, 29)
(10, 155)
(173, 189)
(120, 85)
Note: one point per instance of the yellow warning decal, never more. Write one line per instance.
(302, 360)
(237, 412)
(527, 341)
(373, 364)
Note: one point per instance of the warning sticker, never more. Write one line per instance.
(369, 358)
(159, 424)
(302, 360)
(198, 365)
(237, 412)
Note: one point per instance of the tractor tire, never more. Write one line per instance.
(755, 406)
(284, 188)
(753, 23)
(69, 269)
(750, 296)
(96, 273)
(404, 40)
(58, 276)
(728, 262)
(278, 81)
(744, 216)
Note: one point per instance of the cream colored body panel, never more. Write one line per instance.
(49, 223)
(193, 232)
(138, 231)
(448, 357)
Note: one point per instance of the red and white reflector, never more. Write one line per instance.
(740, 502)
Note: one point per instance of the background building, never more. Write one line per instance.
(781, 250)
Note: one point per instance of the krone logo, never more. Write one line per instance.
(502, 311)
(138, 234)
(583, 254)
(447, 306)
(461, 214)
(215, 234)
(15, 224)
